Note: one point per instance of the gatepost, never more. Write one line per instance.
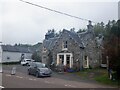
(13, 72)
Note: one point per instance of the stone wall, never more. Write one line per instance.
(73, 48)
(91, 50)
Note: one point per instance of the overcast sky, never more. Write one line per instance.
(24, 23)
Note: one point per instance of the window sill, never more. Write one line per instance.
(65, 49)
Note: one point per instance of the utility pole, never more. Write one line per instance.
(107, 62)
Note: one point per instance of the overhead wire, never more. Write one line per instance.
(56, 11)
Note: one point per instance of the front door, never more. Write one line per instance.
(65, 59)
(68, 61)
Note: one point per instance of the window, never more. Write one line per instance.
(61, 58)
(65, 45)
(8, 58)
(68, 59)
(86, 63)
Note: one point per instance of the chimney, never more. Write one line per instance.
(90, 26)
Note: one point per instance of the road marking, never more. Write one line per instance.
(8, 75)
(19, 77)
(34, 79)
(72, 86)
(31, 79)
(2, 87)
(67, 85)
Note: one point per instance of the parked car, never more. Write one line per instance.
(26, 61)
(39, 69)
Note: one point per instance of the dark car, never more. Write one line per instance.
(39, 69)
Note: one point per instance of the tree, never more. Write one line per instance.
(81, 30)
(99, 28)
(36, 57)
(112, 44)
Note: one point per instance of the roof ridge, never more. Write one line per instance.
(15, 49)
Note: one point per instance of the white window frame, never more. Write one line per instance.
(86, 62)
(65, 44)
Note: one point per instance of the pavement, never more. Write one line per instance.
(57, 80)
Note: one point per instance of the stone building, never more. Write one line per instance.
(73, 50)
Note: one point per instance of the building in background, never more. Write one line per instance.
(13, 53)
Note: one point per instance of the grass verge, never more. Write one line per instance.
(100, 75)
(103, 79)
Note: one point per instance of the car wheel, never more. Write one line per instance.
(37, 74)
(27, 64)
(49, 76)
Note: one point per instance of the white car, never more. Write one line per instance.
(26, 61)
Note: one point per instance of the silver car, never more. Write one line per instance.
(39, 69)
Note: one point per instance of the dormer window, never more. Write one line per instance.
(65, 45)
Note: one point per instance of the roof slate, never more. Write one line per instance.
(48, 44)
(75, 36)
(10, 48)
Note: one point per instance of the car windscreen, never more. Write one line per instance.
(40, 65)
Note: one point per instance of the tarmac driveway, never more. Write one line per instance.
(59, 79)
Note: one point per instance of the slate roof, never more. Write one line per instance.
(49, 43)
(10, 48)
(76, 37)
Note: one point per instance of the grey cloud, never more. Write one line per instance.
(23, 23)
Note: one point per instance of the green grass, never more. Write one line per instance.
(103, 79)
(100, 75)
(82, 74)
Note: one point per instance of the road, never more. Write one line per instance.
(58, 80)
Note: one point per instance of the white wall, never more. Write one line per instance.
(13, 56)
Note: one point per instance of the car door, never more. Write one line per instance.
(34, 69)
(31, 68)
